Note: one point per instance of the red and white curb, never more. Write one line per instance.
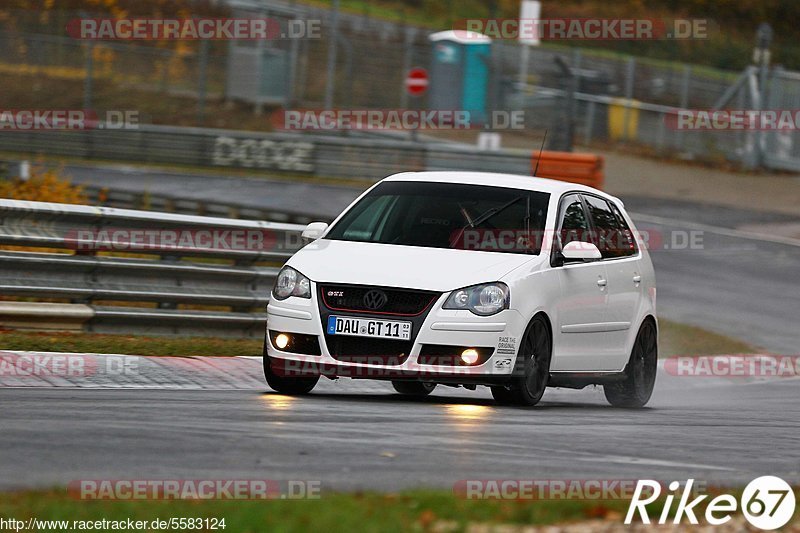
(57, 369)
(114, 371)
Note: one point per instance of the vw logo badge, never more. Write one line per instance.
(375, 299)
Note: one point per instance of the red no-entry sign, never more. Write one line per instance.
(417, 81)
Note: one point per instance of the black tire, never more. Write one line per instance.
(413, 388)
(292, 386)
(532, 369)
(503, 395)
(637, 387)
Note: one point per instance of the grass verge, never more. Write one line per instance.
(126, 344)
(419, 510)
(676, 339)
(682, 339)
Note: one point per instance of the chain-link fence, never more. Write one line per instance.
(372, 58)
(617, 98)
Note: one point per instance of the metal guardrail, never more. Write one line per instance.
(107, 197)
(199, 275)
(349, 156)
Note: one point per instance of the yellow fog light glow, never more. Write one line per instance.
(282, 341)
(470, 356)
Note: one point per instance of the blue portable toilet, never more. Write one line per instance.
(460, 72)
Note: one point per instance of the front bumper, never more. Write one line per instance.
(501, 332)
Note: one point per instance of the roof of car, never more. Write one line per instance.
(514, 181)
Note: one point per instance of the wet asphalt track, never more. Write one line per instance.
(351, 434)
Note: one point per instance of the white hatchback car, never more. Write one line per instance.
(465, 279)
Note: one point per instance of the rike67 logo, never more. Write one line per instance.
(767, 502)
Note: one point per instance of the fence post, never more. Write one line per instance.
(201, 82)
(87, 81)
(294, 47)
(332, 44)
(164, 87)
(525, 53)
(590, 122)
(685, 83)
(407, 59)
(630, 72)
(302, 72)
(577, 59)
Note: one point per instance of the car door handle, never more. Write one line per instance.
(637, 278)
(602, 282)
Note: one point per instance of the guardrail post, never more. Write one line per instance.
(170, 259)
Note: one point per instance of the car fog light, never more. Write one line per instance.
(469, 356)
(282, 341)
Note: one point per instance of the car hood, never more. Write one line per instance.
(391, 265)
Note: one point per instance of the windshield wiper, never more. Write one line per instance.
(484, 217)
(492, 212)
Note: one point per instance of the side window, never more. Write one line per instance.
(574, 225)
(627, 239)
(611, 235)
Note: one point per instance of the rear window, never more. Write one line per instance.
(447, 215)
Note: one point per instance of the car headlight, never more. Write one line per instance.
(290, 282)
(484, 299)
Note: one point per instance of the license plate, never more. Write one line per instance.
(369, 327)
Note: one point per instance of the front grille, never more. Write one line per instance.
(368, 351)
(404, 302)
(335, 299)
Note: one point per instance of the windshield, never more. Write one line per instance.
(447, 215)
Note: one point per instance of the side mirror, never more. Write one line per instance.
(314, 231)
(581, 251)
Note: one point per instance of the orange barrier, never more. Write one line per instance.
(586, 169)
